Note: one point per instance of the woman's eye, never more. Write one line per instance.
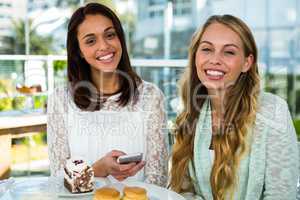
(206, 49)
(90, 41)
(230, 52)
(110, 35)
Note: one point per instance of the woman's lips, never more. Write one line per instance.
(106, 58)
(214, 74)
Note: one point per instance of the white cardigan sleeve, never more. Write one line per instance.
(156, 168)
(282, 156)
(58, 148)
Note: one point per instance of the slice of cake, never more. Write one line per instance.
(78, 176)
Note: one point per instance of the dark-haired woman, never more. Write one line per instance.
(233, 141)
(106, 110)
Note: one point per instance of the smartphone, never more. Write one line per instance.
(137, 157)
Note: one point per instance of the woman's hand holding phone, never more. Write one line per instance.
(108, 165)
(125, 159)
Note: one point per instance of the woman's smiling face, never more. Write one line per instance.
(220, 57)
(99, 43)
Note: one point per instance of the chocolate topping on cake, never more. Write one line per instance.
(77, 162)
(79, 177)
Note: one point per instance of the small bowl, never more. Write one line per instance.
(33, 189)
(5, 185)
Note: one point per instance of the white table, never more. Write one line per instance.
(23, 123)
(41, 195)
(13, 124)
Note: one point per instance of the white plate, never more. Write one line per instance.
(56, 186)
(65, 193)
(62, 191)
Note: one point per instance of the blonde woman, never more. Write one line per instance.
(233, 141)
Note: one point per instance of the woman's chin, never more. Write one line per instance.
(214, 86)
(106, 70)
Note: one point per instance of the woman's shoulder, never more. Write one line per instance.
(149, 95)
(270, 103)
(267, 98)
(60, 90)
(150, 89)
(59, 93)
(273, 110)
(57, 100)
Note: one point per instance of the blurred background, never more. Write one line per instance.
(158, 32)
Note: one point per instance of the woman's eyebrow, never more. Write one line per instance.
(92, 34)
(226, 45)
(88, 35)
(108, 28)
(207, 42)
(232, 45)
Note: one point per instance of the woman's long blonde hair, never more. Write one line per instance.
(240, 108)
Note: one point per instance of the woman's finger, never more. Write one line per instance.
(116, 153)
(120, 177)
(125, 167)
(122, 169)
(135, 169)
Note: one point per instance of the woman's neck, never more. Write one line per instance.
(105, 82)
(217, 98)
(217, 107)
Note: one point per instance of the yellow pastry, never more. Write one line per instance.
(135, 193)
(107, 193)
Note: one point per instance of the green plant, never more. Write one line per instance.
(5, 104)
(297, 127)
(18, 103)
(38, 44)
(39, 101)
(59, 65)
(40, 138)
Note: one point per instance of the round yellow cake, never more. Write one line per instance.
(107, 193)
(135, 193)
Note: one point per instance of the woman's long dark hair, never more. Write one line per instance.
(79, 71)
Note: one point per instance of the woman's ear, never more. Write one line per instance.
(81, 54)
(248, 63)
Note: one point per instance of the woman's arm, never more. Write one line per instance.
(282, 159)
(58, 148)
(156, 168)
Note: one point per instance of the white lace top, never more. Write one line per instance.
(90, 135)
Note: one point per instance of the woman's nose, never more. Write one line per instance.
(103, 45)
(215, 58)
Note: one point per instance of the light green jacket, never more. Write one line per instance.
(269, 169)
